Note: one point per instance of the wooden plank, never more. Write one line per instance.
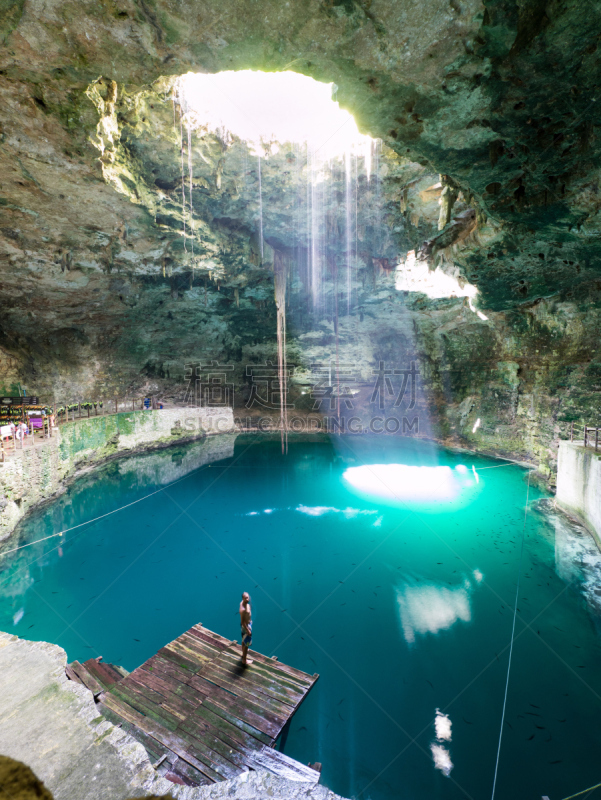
(267, 672)
(162, 684)
(169, 739)
(242, 711)
(106, 674)
(113, 717)
(258, 673)
(188, 775)
(282, 765)
(191, 654)
(224, 728)
(201, 640)
(202, 749)
(89, 681)
(290, 673)
(243, 678)
(153, 747)
(153, 680)
(249, 690)
(167, 688)
(202, 636)
(199, 727)
(246, 699)
(71, 674)
(198, 645)
(144, 689)
(211, 637)
(296, 675)
(232, 716)
(174, 705)
(263, 683)
(144, 701)
(144, 706)
(178, 659)
(170, 669)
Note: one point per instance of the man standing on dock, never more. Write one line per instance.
(246, 626)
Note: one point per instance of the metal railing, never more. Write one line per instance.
(590, 435)
(23, 432)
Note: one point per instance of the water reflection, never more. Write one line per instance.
(428, 607)
(440, 754)
(577, 556)
(348, 513)
(442, 758)
(413, 485)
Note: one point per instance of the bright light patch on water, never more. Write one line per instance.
(442, 758)
(431, 607)
(265, 107)
(442, 726)
(319, 511)
(440, 754)
(416, 276)
(411, 485)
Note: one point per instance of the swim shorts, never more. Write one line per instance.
(247, 638)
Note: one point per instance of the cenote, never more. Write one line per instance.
(385, 564)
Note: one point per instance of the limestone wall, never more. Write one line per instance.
(579, 484)
(35, 474)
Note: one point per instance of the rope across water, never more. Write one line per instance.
(91, 521)
(515, 611)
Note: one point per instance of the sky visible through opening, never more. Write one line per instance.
(265, 107)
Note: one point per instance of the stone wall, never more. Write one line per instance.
(579, 484)
(35, 474)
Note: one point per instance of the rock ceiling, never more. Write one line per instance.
(98, 294)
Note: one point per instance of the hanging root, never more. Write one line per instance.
(279, 274)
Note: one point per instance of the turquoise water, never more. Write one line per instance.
(386, 565)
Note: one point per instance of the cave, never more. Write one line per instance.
(300, 472)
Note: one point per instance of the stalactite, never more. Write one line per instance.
(450, 193)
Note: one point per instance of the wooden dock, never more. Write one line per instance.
(199, 713)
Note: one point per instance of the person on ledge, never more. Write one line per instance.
(246, 627)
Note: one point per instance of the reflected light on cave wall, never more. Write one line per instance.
(413, 275)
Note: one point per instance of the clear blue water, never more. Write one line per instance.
(394, 582)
